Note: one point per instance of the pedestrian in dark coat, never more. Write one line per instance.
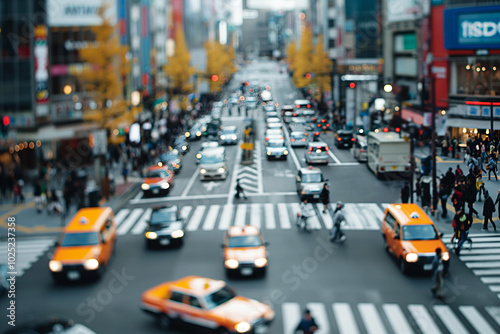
(325, 197)
(498, 201)
(492, 167)
(488, 209)
(405, 193)
(470, 195)
(443, 196)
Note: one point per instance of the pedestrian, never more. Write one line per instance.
(458, 173)
(454, 148)
(444, 147)
(125, 170)
(480, 185)
(325, 197)
(307, 325)
(449, 180)
(437, 274)
(37, 195)
(239, 189)
(457, 198)
(418, 187)
(461, 225)
(492, 167)
(338, 218)
(488, 209)
(484, 155)
(405, 193)
(470, 195)
(443, 196)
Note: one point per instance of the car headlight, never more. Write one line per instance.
(203, 171)
(235, 137)
(184, 148)
(411, 257)
(303, 192)
(187, 134)
(55, 266)
(198, 133)
(165, 185)
(198, 156)
(177, 234)
(260, 262)
(151, 235)
(268, 152)
(285, 152)
(242, 327)
(231, 263)
(445, 256)
(145, 186)
(91, 264)
(221, 170)
(222, 137)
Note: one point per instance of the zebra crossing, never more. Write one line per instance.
(28, 251)
(268, 216)
(483, 258)
(393, 318)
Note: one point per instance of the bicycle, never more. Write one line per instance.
(302, 224)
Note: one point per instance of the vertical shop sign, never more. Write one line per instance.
(41, 52)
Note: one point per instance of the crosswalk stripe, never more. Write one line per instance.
(241, 215)
(291, 317)
(494, 312)
(314, 222)
(423, 319)
(121, 215)
(270, 220)
(318, 311)
(185, 211)
(492, 264)
(195, 220)
(371, 319)
(480, 251)
(283, 216)
(480, 257)
(26, 254)
(225, 219)
(351, 217)
(127, 224)
(141, 225)
(449, 319)
(345, 318)
(490, 280)
(397, 319)
(482, 272)
(484, 246)
(327, 218)
(480, 240)
(295, 210)
(495, 288)
(211, 217)
(371, 214)
(255, 214)
(476, 319)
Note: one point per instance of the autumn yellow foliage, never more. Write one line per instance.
(321, 69)
(291, 51)
(220, 61)
(178, 67)
(303, 61)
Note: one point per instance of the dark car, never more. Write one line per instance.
(165, 227)
(321, 124)
(344, 138)
(172, 160)
(310, 183)
(181, 144)
(195, 132)
(213, 128)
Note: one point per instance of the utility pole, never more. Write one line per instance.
(433, 145)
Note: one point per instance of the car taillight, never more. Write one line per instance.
(310, 148)
(319, 125)
(305, 134)
(303, 139)
(339, 139)
(308, 106)
(382, 168)
(352, 139)
(294, 114)
(282, 138)
(327, 125)
(327, 148)
(298, 106)
(314, 119)
(323, 121)
(407, 168)
(362, 151)
(267, 138)
(292, 140)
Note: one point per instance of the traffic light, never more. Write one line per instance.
(215, 77)
(352, 85)
(5, 124)
(308, 75)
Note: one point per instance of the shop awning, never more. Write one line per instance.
(471, 123)
(53, 133)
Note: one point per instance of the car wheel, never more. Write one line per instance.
(403, 266)
(164, 321)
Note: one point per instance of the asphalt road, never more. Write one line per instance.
(354, 287)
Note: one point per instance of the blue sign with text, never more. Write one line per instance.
(472, 28)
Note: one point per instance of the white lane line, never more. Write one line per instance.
(476, 320)
(449, 319)
(344, 164)
(242, 175)
(291, 317)
(211, 217)
(234, 176)
(129, 222)
(495, 288)
(334, 158)
(480, 251)
(482, 272)
(194, 197)
(255, 209)
(367, 217)
(371, 319)
(139, 195)
(195, 220)
(292, 150)
(490, 280)
(423, 319)
(327, 218)
(269, 214)
(258, 157)
(121, 215)
(345, 318)
(283, 216)
(492, 264)
(185, 211)
(141, 224)
(480, 257)
(318, 311)
(225, 218)
(397, 319)
(494, 312)
(241, 215)
(190, 183)
(352, 220)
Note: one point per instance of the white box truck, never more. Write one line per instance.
(388, 153)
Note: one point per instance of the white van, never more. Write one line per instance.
(388, 153)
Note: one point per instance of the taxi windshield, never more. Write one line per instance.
(419, 232)
(156, 173)
(211, 159)
(245, 241)
(80, 239)
(163, 217)
(219, 297)
(228, 131)
(276, 143)
(310, 178)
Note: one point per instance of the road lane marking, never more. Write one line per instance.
(241, 215)
(121, 216)
(260, 184)
(225, 219)
(234, 176)
(449, 319)
(291, 317)
(492, 264)
(345, 318)
(269, 212)
(318, 311)
(334, 158)
(195, 220)
(371, 319)
(423, 319)
(291, 149)
(327, 218)
(494, 312)
(351, 217)
(211, 217)
(255, 211)
(476, 320)
(129, 222)
(397, 319)
(190, 183)
(283, 216)
(142, 223)
(486, 272)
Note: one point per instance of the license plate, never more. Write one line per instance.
(246, 271)
(164, 242)
(428, 266)
(156, 191)
(73, 275)
(260, 329)
(394, 167)
(278, 156)
(315, 196)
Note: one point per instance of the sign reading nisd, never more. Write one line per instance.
(472, 28)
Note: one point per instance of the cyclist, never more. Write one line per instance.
(303, 215)
(338, 217)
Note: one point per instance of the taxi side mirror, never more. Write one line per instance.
(396, 236)
(441, 235)
(266, 243)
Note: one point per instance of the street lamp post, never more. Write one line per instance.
(412, 128)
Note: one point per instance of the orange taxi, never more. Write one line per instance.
(205, 302)
(158, 180)
(244, 250)
(411, 236)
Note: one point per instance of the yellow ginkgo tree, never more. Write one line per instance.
(103, 75)
(291, 52)
(178, 67)
(303, 61)
(321, 69)
(220, 64)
